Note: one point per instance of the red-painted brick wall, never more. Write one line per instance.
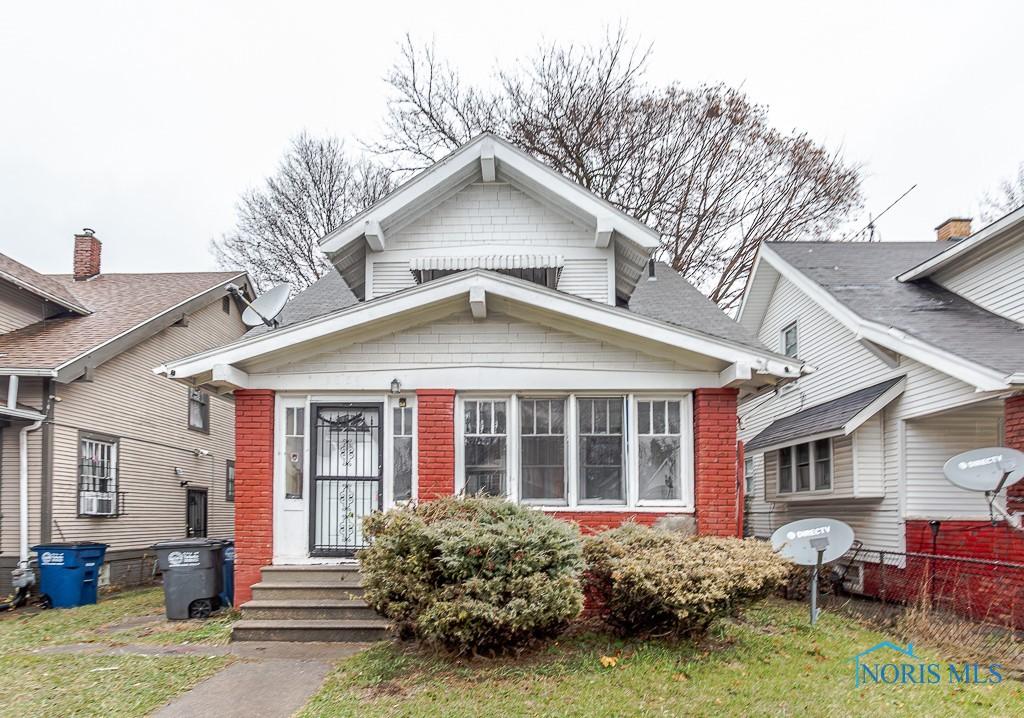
(718, 500)
(254, 488)
(436, 443)
(592, 522)
(1013, 429)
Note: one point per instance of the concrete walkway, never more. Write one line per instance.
(271, 679)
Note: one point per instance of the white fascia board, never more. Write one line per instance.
(964, 246)
(488, 378)
(757, 274)
(20, 371)
(24, 414)
(978, 376)
(506, 287)
(874, 407)
(793, 442)
(475, 152)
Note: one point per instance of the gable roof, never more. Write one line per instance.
(41, 285)
(489, 158)
(325, 295)
(838, 417)
(118, 304)
(855, 283)
(954, 252)
(487, 284)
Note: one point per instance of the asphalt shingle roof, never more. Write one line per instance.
(45, 286)
(862, 277)
(669, 298)
(820, 419)
(117, 303)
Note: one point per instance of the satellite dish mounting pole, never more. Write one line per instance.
(814, 586)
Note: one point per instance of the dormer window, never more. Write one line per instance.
(539, 269)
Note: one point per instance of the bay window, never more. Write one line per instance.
(805, 467)
(542, 451)
(601, 451)
(485, 446)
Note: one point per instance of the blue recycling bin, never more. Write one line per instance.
(227, 558)
(69, 573)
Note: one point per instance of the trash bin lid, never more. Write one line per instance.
(73, 545)
(189, 543)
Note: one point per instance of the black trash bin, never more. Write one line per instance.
(193, 577)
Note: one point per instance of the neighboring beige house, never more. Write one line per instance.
(111, 452)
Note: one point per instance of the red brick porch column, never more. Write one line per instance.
(254, 488)
(1013, 430)
(436, 443)
(715, 462)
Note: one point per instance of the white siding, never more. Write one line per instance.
(388, 277)
(868, 457)
(459, 340)
(586, 278)
(844, 365)
(29, 393)
(993, 280)
(495, 218)
(930, 442)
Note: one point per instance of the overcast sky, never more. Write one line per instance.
(145, 121)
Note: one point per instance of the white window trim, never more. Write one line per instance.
(812, 456)
(795, 324)
(566, 477)
(389, 449)
(631, 457)
(686, 500)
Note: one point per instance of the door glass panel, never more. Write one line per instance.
(402, 458)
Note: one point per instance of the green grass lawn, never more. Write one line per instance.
(48, 684)
(770, 663)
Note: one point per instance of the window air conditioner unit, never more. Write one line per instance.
(98, 505)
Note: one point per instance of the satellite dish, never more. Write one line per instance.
(813, 542)
(800, 541)
(265, 308)
(988, 470)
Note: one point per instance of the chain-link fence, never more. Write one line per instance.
(972, 607)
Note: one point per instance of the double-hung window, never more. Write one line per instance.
(485, 436)
(97, 476)
(229, 481)
(602, 448)
(659, 445)
(198, 410)
(788, 340)
(805, 467)
(542, 451)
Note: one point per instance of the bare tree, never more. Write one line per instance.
(702, 165)
(315, 189)
(1008, 196)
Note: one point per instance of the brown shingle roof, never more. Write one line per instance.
(40, 284)
(118, 302)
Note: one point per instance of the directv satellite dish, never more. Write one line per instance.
(989, 469)
(265, 308)
(813, 542)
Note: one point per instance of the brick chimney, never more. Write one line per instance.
(953, 229)
(87, 255)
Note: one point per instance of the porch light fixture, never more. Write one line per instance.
(396, 386)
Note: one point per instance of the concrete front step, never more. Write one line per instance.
(343, 574)
(304, 609)
(277, 591)
(356, 631)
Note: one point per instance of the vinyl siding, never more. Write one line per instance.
(869, 457)
(458, 340)
(495, 218)
(19, 308)
(930, 442)
(993, 280)
(29, 393)
(844, 365)
(148, 414)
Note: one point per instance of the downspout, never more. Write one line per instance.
(23, 493)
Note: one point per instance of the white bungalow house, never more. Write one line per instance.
(915, 353)
(491, 327)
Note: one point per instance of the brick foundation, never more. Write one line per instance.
(718, 500)
(436, 443)
(254, 488)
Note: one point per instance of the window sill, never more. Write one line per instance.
(824, 496)
(618, 509)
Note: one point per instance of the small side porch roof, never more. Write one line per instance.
(838, 417)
